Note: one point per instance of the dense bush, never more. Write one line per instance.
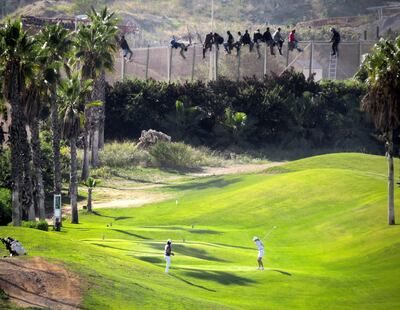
(41, 225)
(121, 155)
(5, 206)
(289, 111)
(179, 156)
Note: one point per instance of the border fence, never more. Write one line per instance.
(165, 64)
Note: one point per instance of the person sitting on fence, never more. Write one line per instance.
(208, 42)
(293, 42)
(229, 43)
(125, 48)
(335, 41)
(184, 47)
(238, 43)
(278, 39)
(246, 40)
(218, 40)
(257, 39)
(267, 36)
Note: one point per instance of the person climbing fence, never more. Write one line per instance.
(335, 40)
(278, 39)
(293, 42)
(182, 46)
(246, 40)
(229, 44)
(208, 43)
(267, 36)
(257, 39)
(125, 48)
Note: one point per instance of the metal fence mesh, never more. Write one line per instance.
(166, 64)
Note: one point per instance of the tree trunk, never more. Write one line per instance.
(28, 205)
(86, 145)
(98, 94)
(89, 200)
(389, 154)
(102, 110)
(37, 168)
(55, 126)
(74, 182)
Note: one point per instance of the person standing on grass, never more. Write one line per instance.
(168, 254)
(260, 247)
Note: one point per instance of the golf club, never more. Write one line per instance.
(268, 233)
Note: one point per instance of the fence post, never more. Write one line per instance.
(193, 61)
(122, 67)
(238, 66)
(311, 60)
(265, 59)
(287, 55)
(169, 64)
(365, 35)
(359, 53)
(216, 63)
(147, 61)
(211, 67)
(377, 33)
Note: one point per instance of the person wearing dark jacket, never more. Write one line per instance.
(208, 42)
(335, 40)
(267, 36)
(238, 44)
(246, 40)
(229, 43)
(125, 48)
(278, 39)
(218, 40)
(257, 39)
(168, 253)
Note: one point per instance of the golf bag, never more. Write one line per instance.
(13, 246)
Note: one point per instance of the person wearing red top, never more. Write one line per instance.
(293, 43)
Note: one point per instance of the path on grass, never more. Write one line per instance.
(131, 194)
(34, 282)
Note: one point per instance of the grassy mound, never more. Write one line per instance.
(332, 248)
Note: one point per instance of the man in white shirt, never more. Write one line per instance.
(260, 247)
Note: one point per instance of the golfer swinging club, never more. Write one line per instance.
(260, 247)
(168, 253)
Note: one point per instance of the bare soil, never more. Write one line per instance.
(34, 282)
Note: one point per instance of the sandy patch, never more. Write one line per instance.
(34, 282)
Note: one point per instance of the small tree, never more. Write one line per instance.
(382, 101)
(90, 183)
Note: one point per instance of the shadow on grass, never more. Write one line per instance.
(131, 234)
(220, 277)
(282, 272)
(150, 259)
(234, 246)
(190, 230)
(109, 247)
(190, 251)
(115, 218)
(192, 284)
(214, 183)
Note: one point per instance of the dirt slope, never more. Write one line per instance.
(34, 282)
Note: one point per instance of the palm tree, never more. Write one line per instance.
(56, 44)
(32, 109)
(90, 183)
(382, 101)
(16, 51)
(72, 95)
(96, 45)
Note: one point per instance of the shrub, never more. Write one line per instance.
(29, 224)
(179, 156)
(121, 155)
(5, 206)
(5, 168)
(42, 225)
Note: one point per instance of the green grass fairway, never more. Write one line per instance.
(332, 248)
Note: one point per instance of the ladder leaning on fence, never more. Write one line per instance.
(333, 61)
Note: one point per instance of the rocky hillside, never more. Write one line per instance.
(159, 19)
